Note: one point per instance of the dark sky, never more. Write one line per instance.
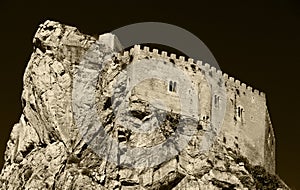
(257, 42)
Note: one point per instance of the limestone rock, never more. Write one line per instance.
(46, 149)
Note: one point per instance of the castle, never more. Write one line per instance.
(68, 97)
(245, 124)
(70, 136)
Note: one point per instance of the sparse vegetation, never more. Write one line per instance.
(263, 179)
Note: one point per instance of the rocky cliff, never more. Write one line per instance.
(49, 149)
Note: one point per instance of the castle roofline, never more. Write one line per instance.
(191, 62)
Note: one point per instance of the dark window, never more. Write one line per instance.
(240, 111)
(172, 86)
(217, 100)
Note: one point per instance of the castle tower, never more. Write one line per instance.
(245, 123)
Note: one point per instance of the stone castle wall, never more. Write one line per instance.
(246, 124)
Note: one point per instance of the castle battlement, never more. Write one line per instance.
(191, 65)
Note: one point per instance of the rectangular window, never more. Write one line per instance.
(172, 86)
(217, 101)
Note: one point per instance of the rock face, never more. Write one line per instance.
(61, 143)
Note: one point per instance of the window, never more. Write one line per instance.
(216, 101)
(172, 86)
(239, 112)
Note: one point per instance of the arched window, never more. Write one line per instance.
(240, 113)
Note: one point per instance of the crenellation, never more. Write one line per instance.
(132, 51)
(219, 73)
(137, 48)
(173, 56)
(206, 66)
(155, 52)
(231, 79)
(191, 61)
(237, 83)
(256, 92)
(119, 55)
(199, 63)
(213, 70)
(225, 76)
(146, 49)
(249, 88)
(164, 54)
(181, 58)
(262, 94)
(243, 86)
(125, 54)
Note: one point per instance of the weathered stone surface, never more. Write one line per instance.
(47, 150)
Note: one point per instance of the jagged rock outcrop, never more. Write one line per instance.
(46, 149)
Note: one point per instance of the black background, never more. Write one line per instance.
(256, 42)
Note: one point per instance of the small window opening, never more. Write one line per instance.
(172, 86)
(239, 112)
(216, 101)
(242, 110)
(224, 139)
